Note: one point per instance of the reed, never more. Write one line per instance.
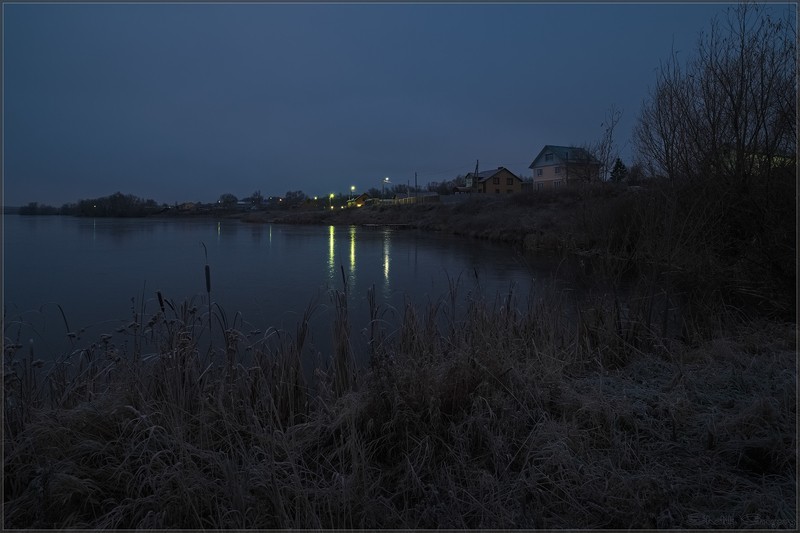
(473, 413)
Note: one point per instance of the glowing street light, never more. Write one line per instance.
(352, 190)
(383, 188)
(330, 201)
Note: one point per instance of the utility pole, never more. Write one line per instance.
(415, 184)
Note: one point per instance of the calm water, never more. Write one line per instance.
(97, 270)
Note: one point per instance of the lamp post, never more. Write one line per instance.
(383, 186)
(352, 190)
(330, 201)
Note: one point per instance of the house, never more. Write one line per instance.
(557, 165)
(496, 181)
(359, 200)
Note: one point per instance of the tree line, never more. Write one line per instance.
(115, 205)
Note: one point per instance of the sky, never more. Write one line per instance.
(187, 101)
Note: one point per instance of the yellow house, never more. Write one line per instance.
(497, 181)
(359, 200)
(557, 165)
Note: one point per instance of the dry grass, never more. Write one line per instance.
(468, 416)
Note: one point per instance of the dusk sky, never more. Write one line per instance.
(185, 102)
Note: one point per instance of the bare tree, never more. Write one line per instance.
(605, 150)
(730, 111)
(721, 125)
(595, 160)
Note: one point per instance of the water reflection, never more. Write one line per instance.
(352, 250)
(331, 251)
(387, 238)
(352, 253)
(256, 232)
(226, 231)
(118, 230)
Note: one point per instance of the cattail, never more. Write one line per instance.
(208, 279)
(160, 301)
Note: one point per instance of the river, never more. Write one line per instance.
(89, 276)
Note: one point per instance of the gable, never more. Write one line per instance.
(501, 172)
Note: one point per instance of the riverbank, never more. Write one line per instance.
(541, 218)
(482, 417)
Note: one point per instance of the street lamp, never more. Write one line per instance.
(352, 190)
(330, 201)
(383, 187)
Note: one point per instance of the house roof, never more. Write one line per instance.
(566, 155)
(486, 174)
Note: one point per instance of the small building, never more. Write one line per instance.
(359, 200)
(558, 165)
(496, 181)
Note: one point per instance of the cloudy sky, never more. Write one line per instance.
(180, 102)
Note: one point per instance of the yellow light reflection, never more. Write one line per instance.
(331, 248)
(386, 250)
(352, 249)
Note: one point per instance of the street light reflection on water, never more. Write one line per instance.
(331, 251)
(352, 251)
(386, 249)
(379, 255)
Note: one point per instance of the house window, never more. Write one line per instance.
(497, 191)
(557, 184)
(496, 181)
(558, 170)
(509, 181)
(539, 186)
(538, 171)
(548, 157)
